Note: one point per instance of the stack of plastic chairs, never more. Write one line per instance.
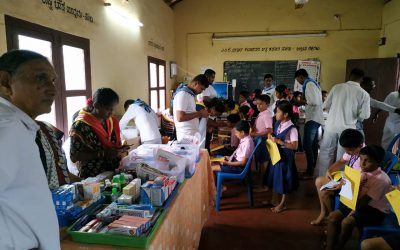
(244, 175)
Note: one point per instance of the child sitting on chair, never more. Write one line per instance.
(352, 141)
(282, 177)
(372, 205)
(236, 162)
(232, 120)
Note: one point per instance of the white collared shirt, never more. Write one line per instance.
(209, 92)
(27, 214)
(145, 122)
(314, 104)
(347, 102)
(185, 102)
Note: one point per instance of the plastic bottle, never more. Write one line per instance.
(116, 182)
(225, 78)
(114, 194)
(122, 181)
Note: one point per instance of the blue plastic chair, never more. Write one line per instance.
(389, 162)
(244, 175)
(390, 147)
(389, 226)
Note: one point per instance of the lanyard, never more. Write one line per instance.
(353, 160)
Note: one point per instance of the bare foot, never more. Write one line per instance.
(278, 209)
(270, 203)
(318, 221)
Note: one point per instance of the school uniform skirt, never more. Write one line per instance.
(282, 177)
(261, 154)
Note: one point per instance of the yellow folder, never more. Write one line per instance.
(217, 148)
(217, 159)
(354, 176)
(273, 151)
(394, 200)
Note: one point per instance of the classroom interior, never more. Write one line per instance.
(182, 36)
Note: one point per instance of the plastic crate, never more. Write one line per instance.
(118, 240)
(65, 220)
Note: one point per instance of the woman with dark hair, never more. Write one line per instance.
(95, 136)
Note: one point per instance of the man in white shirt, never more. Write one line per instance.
(27, 214)
(146, 122)
(269, 86)
(347, 102)
(368, 85)
(209, 93)
(314, 117)
(186, 117)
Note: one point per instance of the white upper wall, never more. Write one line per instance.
(118, 50)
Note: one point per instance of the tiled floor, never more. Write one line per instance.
(237, 226)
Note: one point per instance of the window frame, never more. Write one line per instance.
(158, 62)
(15, 27)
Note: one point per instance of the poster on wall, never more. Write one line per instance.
(313, 68)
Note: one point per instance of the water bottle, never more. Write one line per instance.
(114, 194)
(225, 78)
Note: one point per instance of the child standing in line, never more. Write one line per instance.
(282, 177)
(281, 94)
(352, 141)
(262, 127)
(243, 101)
(372, 205)
(232, 120)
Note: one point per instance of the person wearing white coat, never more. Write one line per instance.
(392, 124)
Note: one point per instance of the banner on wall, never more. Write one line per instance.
(313, 68)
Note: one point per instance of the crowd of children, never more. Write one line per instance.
(276, 117)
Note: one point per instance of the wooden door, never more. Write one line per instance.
(385, 72)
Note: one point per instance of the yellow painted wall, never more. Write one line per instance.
(355, 37)
(390, 29)
(118, 51)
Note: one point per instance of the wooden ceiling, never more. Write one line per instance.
(172, 3)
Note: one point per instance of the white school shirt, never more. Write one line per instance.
(27, 214)
(146, 123)
(314, 104)
(391, 127)
(209, 92)
(382, 106)
(347, 102)
(185, 102)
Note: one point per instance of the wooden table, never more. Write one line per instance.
(182, 225)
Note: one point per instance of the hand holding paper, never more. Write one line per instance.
(273, 151)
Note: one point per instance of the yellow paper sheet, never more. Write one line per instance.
(354, 176)
(337, 175)
(217, 159)
(394, 200)
(217, 148)
(224, 136)
(273, 152)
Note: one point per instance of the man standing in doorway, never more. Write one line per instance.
(347, 103)
(209, 93)
(186, 117)
(314, 117)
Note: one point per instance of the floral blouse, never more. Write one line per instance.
(84, 139)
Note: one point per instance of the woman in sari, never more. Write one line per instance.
(95, 136)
